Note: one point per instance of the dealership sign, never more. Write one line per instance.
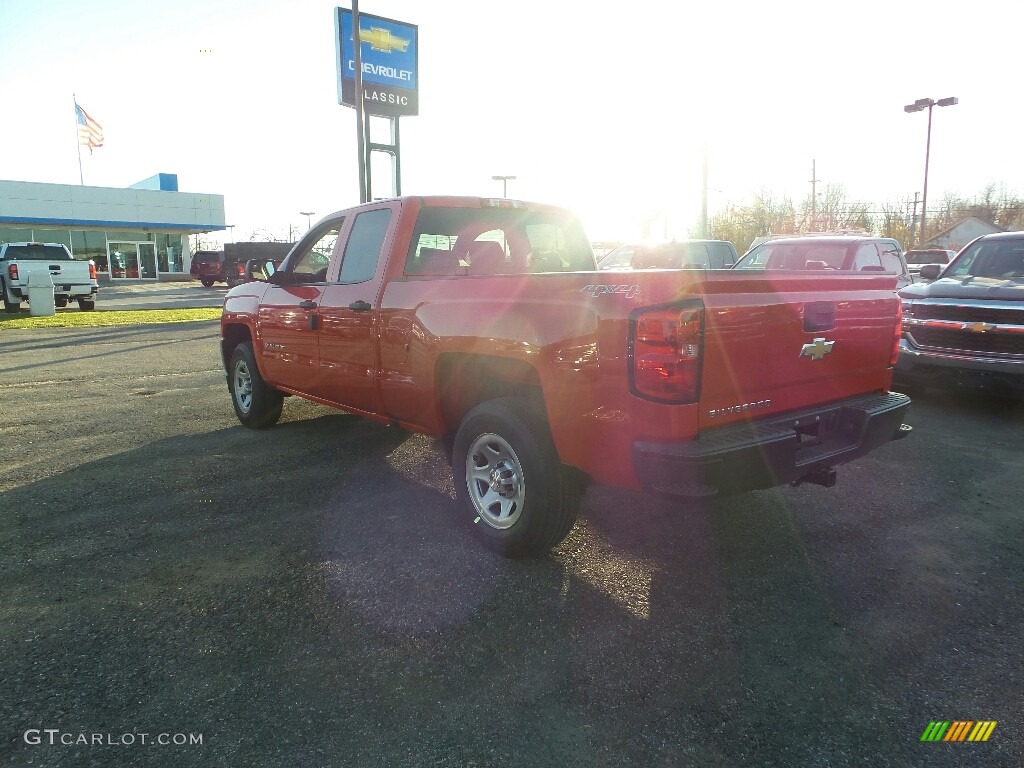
(389, 57)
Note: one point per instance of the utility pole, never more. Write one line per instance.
(814, 196)
(913, 218)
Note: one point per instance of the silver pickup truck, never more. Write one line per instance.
(73, 280)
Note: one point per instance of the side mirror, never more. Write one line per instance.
(930, 271)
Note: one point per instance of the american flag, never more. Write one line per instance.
(90, 133)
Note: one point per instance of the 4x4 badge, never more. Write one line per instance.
(817, 349)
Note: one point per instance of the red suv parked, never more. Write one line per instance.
(208, 267)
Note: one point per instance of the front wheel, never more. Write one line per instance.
(509, 482)
(257, 404)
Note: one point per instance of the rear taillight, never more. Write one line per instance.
(240, 269)
(92, 270)
(665, 355)
(12, 271)
(897, 334)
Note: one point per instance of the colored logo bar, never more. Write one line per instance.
(958, 730)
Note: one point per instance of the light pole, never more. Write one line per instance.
(917, 106)
(504, 183)
(307, 214)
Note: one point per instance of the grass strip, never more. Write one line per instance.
(109, 317)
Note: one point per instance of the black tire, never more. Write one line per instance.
(9, 306)
(86, 304)
(60, 301)
(260, 406)
(524, 502)
(207, 281)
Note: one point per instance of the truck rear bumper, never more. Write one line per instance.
(793, 447)
(61, 289)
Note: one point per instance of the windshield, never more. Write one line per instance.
(990, 258)
(38, 253)
(809, 255)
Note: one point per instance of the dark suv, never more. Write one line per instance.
(965, 327)
(853, 253)
(208, 267)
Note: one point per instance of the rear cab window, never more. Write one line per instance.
(475, 241)
(807, 255)
(37, 252)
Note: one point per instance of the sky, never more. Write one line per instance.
(604, 109)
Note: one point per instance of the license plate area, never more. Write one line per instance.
(827, 433)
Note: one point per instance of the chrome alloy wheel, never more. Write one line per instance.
(494, 478)
(243, 386)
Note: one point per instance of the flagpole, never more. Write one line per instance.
(81, 178)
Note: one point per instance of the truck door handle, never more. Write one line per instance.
(307, 304)
(55, 266)
(360, 306)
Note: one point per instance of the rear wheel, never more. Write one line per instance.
(257, 404)
(60, 301)
(509, 482)
(9, 306)
(86, 304)
(207, 281)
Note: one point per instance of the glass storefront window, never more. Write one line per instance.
(52, 236)
(12, 235)
(128, 235)
(90, 245)
(168, 253)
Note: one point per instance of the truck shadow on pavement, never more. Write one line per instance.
(306, 595)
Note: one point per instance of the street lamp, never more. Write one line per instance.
(917, 106)
(504, 183)
(307, 214)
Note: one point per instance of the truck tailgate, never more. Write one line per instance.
(63, 273)
(789, 340)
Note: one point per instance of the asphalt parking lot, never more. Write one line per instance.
(157, 295)
(303, 596)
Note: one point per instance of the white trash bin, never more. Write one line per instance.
(40, 293)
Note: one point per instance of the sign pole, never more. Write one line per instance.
(358, 99)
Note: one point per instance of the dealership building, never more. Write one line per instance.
(137, 233)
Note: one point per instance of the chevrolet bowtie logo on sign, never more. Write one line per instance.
(977, 327)
(380, 39)
(958, 730)
(817, 349)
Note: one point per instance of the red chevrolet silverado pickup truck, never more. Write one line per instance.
(485, 323)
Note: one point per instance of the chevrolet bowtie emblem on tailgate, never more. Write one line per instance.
(977, 327)
(817, 349)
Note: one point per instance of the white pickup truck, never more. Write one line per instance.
(72, 279)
